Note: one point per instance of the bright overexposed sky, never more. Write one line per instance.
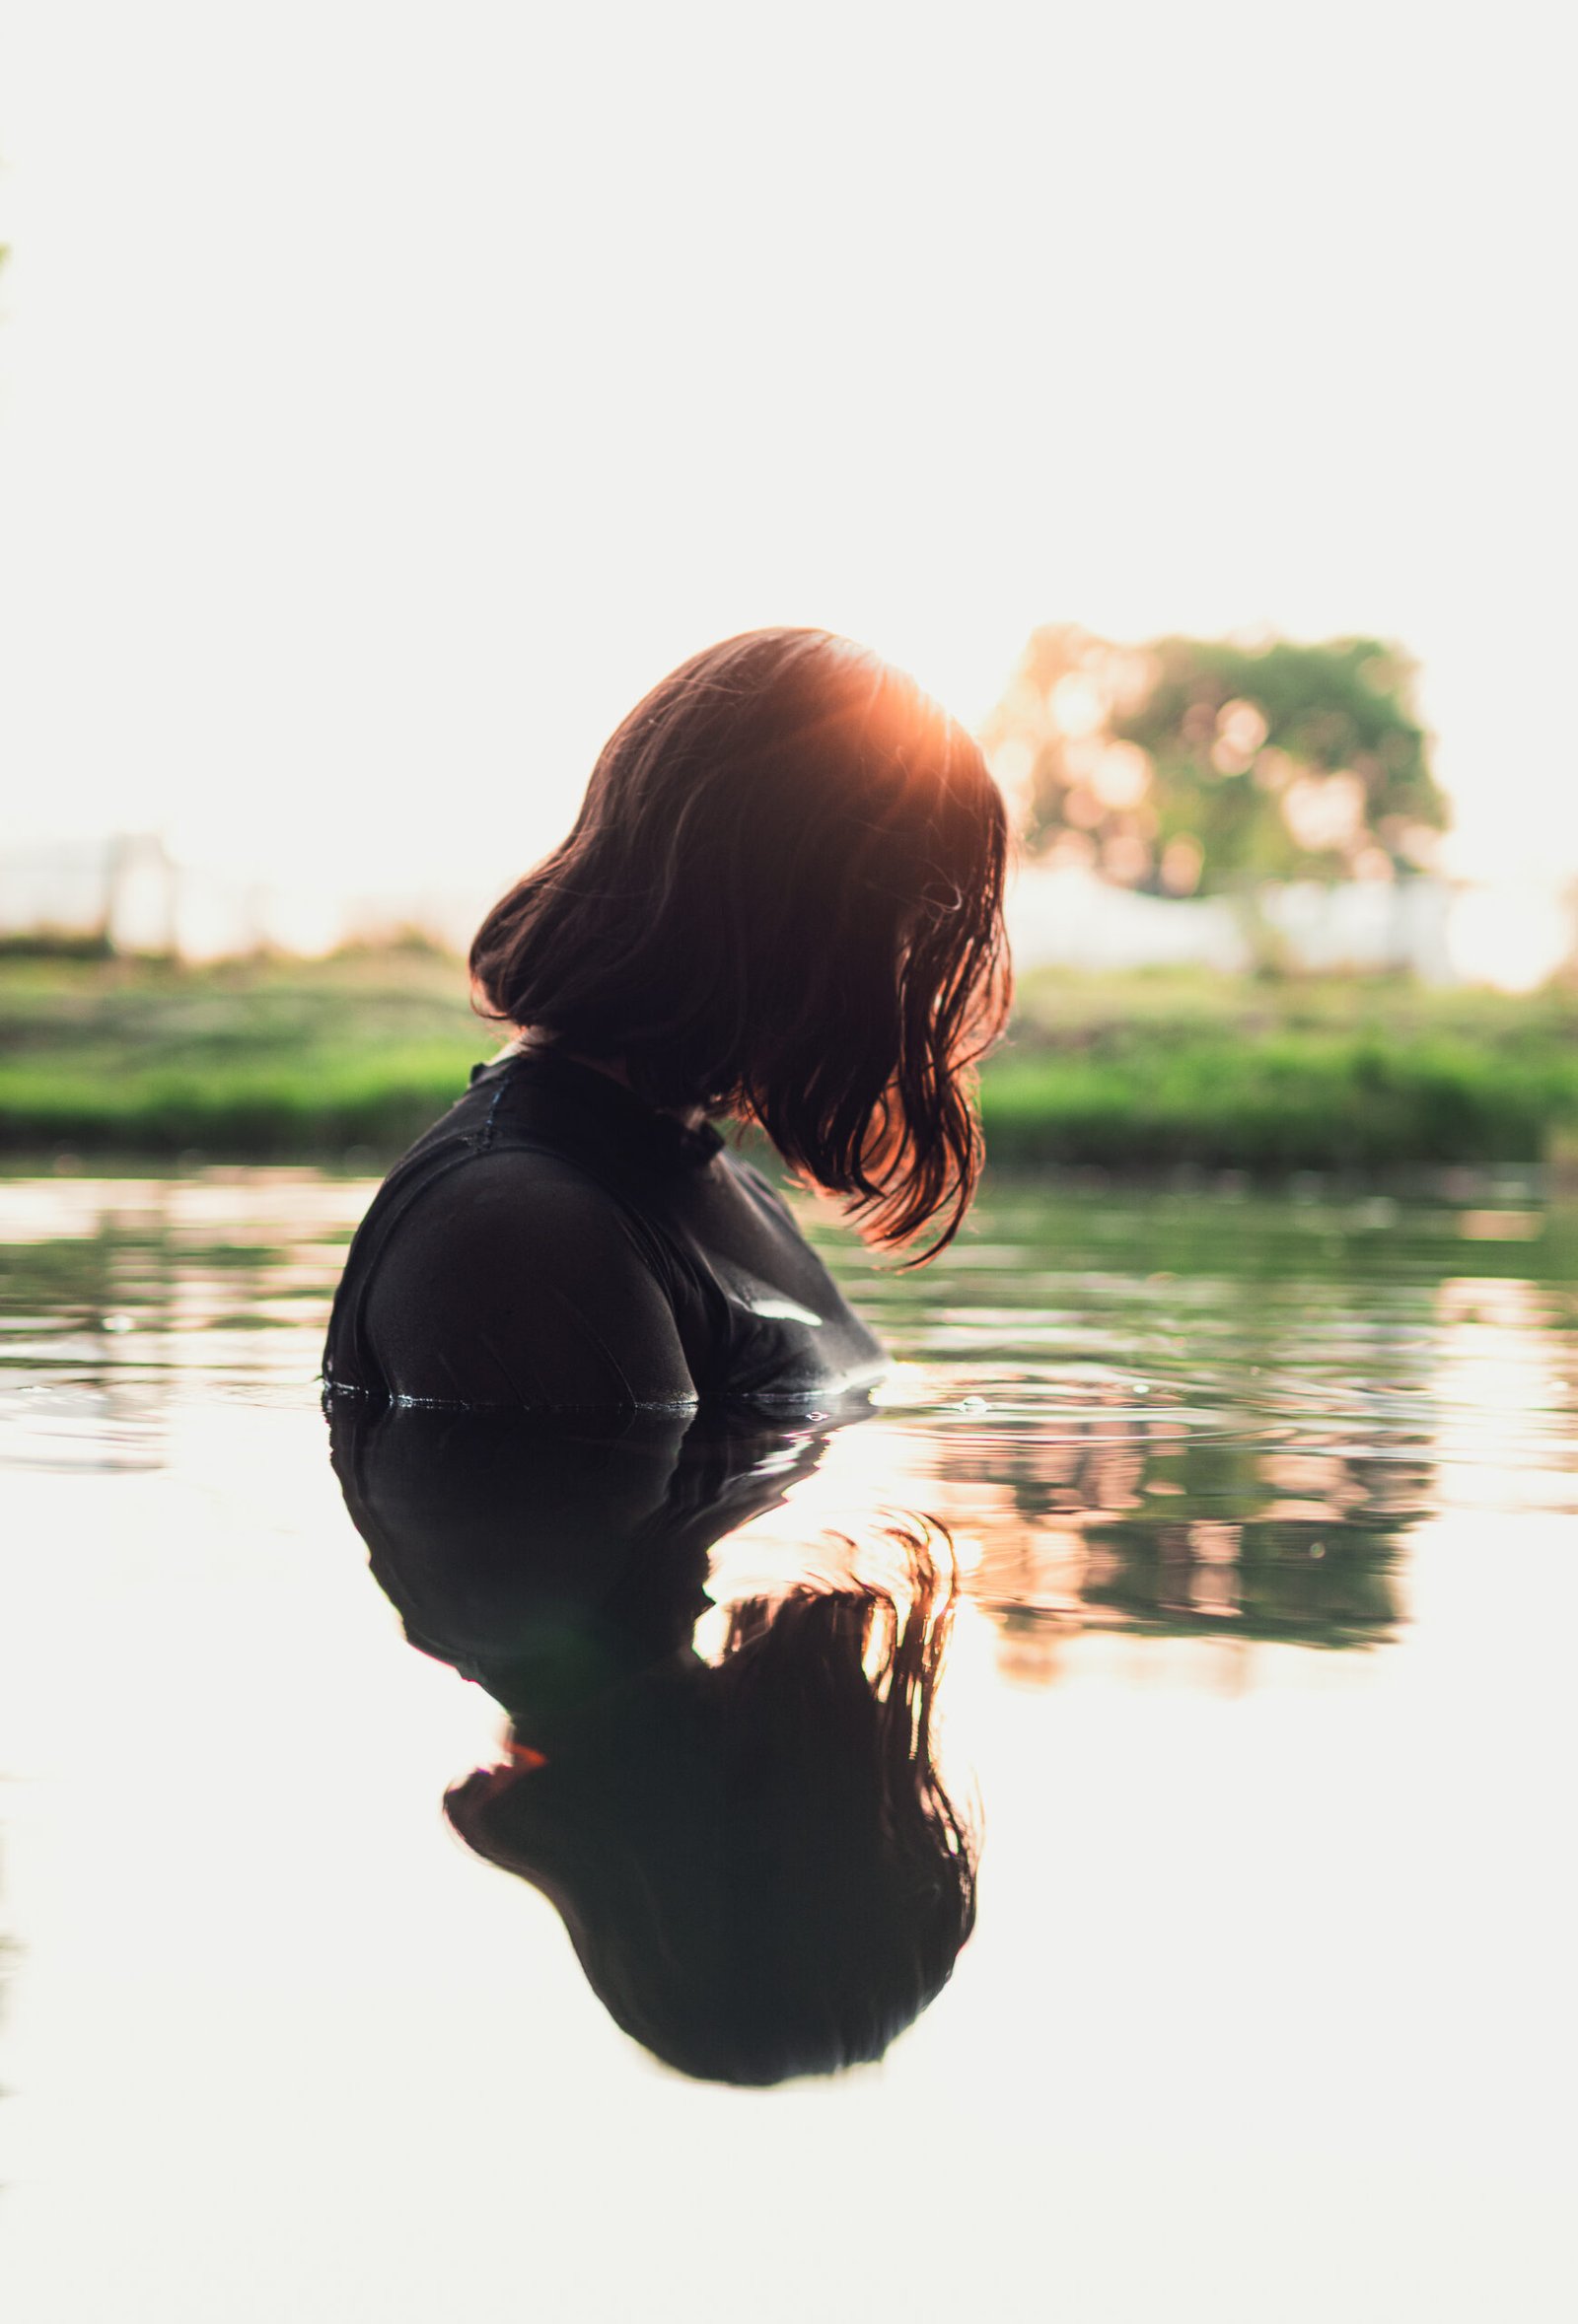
(390, 394)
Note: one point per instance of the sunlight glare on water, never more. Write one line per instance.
(1265, 1510)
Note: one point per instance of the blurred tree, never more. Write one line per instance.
(1203, 764)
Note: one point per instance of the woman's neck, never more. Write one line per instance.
(691, 1116)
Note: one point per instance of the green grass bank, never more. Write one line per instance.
(279, 1060)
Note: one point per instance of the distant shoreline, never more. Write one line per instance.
(347, 1059)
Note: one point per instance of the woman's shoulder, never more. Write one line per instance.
(499, 1272)
(512, 1278)
(758, 1186)
(508, 1213)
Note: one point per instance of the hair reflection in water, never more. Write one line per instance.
(756, 1856)
(755, 1859)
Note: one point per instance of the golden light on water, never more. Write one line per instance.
(1243, 1877)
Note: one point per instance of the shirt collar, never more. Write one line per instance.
(606, 1103)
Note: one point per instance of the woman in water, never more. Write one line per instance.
(782, 902)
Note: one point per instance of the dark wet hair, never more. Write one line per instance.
(759, 1869)
(782, 900)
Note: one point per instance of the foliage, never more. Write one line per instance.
(273, 1060)
(251, 1058)
(1293, 1103)
(47, 944)
(1192, 763)
(1153, 1070)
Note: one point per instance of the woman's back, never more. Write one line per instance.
(554, 1241)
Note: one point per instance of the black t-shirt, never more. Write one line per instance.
(555, 1243)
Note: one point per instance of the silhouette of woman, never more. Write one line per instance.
(755, 1859)
(782, 903)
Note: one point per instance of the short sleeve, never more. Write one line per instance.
(516, 1281)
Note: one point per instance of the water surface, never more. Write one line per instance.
(1267, 1515)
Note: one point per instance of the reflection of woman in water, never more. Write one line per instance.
(781, 901)
(755, 1856)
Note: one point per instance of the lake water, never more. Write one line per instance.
(1265, 1518)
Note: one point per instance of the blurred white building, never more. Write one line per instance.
(1068, 917)
(127, 890)
(130, 892)
(1064, 916)
(122, 890)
